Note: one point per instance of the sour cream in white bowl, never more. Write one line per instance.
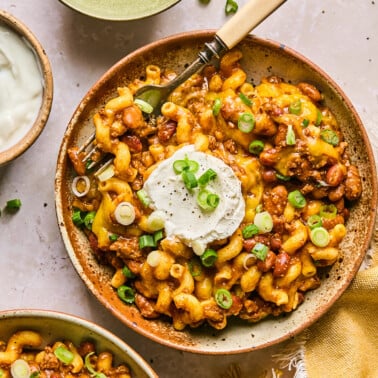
(26, 88)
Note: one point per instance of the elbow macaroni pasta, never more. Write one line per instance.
(44, 360)
(303, 150)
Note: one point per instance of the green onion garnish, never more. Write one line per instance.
(328, 211)
(246, 122)
(113, 237)
(249, 231)
(207, 200)
(206, 177)
(330, 137)
(314, 221)
(296, 199)
(195, 267)
(186, 164)
(282, 177)
(88, 219)
(143, 197)
(260, 250)
(256, 146)
(13, 204)
(126, 293)
(77, 218)
(231, 7)
(64, 355)
(217, 106)
(146, 241)
(18, 369)
(305, 122)
(320, 236)
(223, 298)
(295, 107)
(144, 106)
(158, 235)
(290, 136)
(189, 179)
(245, 99)
(209, 257)
(319, 117)
(127, 272)
(89, 367)
(263, 222)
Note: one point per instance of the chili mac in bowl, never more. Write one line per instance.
(44, 342)
(226, 223)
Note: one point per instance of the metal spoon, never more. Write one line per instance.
(227, 37)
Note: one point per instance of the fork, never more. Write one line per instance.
(228, 36)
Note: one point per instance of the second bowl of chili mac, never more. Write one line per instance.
(235, 218)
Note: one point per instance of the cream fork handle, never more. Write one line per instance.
(245, 19)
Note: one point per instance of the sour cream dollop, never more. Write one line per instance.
(20, 88)
(183, 217)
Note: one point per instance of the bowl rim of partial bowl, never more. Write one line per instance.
(39, 124)
(198, 34)
(86, 323)
(116, 17)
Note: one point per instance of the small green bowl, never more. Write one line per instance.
(119, 10)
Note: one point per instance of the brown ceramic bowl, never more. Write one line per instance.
(55, 326)
(261, 58)
(36, 126)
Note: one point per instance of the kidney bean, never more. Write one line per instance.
(269, 176)
(275, 242)
(268, 263)
(166, 130)
(269, 157)
(335, 175)
(281, 264)
(310, 91)
(133, 142)
(336, 194)
(132, 117)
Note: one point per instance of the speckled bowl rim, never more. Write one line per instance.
(44, 315)
(214, 342)
(47, 97)
(119, 10)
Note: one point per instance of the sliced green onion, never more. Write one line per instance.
(231, 7)
(296, 199)
(330, 137)
(64, 355)
(314, 221)
(282, 177)
(179, 166)
(13, 204)
(124, 213)
(126, 293)
(90, 368)
(144, 106)
(256, 146)
(207, 200)
(193, 166)
(328, 211)
(245, 99)
(320, 236)
(290, 136)
(260, 250)
(305, 122)
(217, 106)
(35, 374)
(263, 221)
(20, 369)
(246, 122)
(146, 241)
(154, 258)
(113, 237)
(143, 197)
(259, 208)
(206, 177)
(209, 257)
(195, 267)
(156, 220)
(249, 231)
(319, 117)
(87, 186)
(223, 298)
(158, 235)
(77, 217)
(295, 107)
(127, 272)
(106, 173)
(189, 179)
(88, 219)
